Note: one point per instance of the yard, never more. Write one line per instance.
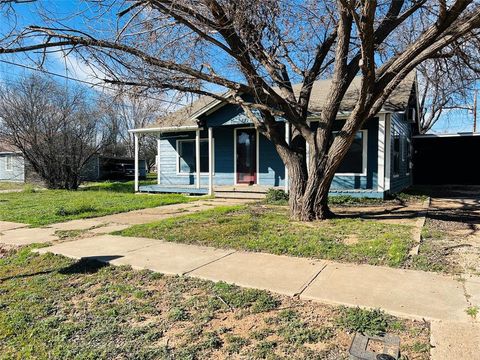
(268, 228)
(45, 207)
(54, 307)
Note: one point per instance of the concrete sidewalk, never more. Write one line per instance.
(407, 293)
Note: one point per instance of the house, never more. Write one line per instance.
(212, 147)
(12, 164)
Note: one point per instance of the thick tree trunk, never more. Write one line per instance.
(309, 191)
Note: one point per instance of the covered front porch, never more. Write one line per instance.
(212, 160)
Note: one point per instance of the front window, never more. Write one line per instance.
(408, 151)
(355, 162)
(396, 153)
(186, 156)
(9, 163)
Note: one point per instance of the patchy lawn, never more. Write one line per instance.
(56, 308)
(51, 206)
(10, 185)
(269, 229)
(115, 186)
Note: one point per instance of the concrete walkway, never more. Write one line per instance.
(18, 234)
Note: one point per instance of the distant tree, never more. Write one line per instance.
(445, 86)
(126, 111)
(55, 127)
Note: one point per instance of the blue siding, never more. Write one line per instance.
(17, 174)
(404, 178)
(271, 167)
(361, 182)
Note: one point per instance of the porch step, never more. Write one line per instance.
(241, 192)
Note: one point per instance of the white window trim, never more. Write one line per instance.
(177, 166)
(7, 158)
(364, 156)
(257, 146)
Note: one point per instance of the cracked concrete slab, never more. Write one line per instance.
(109, 228)
(27, 236)
(472, 290)
(171, 258)
(281, 274)
(8, 225)
(81, 224)
(104, 247)
(452, 340)
(405, 293)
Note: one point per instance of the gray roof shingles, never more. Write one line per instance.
(398, 101)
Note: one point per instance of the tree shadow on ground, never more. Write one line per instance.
(86, 265)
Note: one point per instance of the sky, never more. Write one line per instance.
(72, 67)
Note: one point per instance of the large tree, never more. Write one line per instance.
(253, 51)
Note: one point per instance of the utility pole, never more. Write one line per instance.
(475, 111)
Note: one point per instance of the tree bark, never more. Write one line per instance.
(308, 191)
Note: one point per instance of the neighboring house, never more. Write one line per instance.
(12, 164)
(378, 162)
(112, 168)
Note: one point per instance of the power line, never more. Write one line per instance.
(80, 81)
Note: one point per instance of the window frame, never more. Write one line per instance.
(177, 148)
(9, 163)
(408, 155)
(395, 133)
(364, 155)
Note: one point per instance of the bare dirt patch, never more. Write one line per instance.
(452, 236)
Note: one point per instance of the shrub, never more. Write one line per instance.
(276, 196)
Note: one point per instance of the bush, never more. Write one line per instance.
(276, 196)
(370, 322)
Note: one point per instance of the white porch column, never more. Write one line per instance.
(388, 141)
(210, 161)
(287, 140)
(197, 157)
(381, 153)
(158, 158)
(135, 136)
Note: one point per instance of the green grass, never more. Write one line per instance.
(269, 229)
(115, 186)
(52, 206)
(52, 307)
(371, 322)
(9, 185)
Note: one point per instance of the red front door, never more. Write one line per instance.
(246, 142)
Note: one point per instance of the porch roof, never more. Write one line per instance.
(187, 118)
